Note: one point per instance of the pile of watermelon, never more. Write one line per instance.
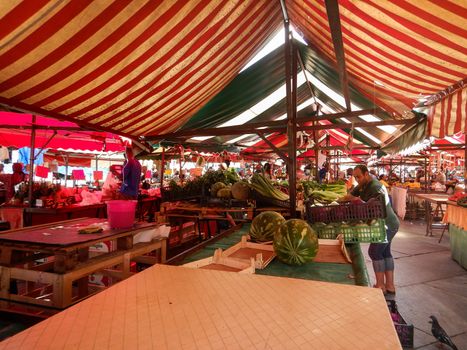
(294, 241)
(265, 225)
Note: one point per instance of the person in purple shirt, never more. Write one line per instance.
(131, 175)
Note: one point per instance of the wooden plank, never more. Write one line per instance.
(302, 118)
(261, 253)
(201, 245)
(4, 282)
(223, 263)
(65, 236)
(29, 300)
(332, 9)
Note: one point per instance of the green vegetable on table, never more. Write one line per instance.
(263, 186)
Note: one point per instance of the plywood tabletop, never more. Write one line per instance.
(65, 233)
(171, 307)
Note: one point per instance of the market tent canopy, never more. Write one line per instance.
(144, 68)
(15, 131)
(395, 52)
(129, 67)
(257, 96)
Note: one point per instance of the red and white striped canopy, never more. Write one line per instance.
(131, 67)
(449, 116)
(144, 67)
(395, 51)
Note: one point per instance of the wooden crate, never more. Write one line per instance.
(244, 250)
(333, 251)
(222, 263)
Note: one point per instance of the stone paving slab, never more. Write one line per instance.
(428, 283)
(426, 268)
(455, 285)
(416, 303)
(460, 341)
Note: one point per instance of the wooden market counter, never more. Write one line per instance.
(172, 307)
(66, 259)
(204, 218)
(24, 217)
(39, 216)
(456, 217)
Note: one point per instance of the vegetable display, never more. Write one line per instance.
(324, 192)
(264, 187)
(295, 243)
(216, 187)
(194, 188)
(265, 225)
(224, 192)
(240, 190)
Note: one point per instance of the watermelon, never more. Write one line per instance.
(295, 243)
(265, 225)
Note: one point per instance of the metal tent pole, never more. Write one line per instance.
(162, 167)
(31, 160)
(66, 169)
(291, 87)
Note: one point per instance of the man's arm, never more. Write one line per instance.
(350, 196)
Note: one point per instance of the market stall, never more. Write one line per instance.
(64, 248)
(283, 104)
(456, 217)
(353, 273)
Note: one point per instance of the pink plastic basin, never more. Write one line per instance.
(121, 213)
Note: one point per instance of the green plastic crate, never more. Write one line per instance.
(367, 234)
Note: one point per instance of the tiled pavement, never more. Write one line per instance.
(428, 282)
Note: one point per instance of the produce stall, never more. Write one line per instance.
(353, 273)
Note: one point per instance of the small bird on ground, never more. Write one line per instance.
(440, 334)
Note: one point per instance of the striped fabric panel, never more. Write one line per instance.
(132, 67)
(408, 46)
(448, 117)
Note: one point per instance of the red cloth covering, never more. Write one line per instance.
(42, 171)
(13, 215)
(98, 174)
(78, 174)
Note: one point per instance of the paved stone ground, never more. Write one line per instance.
(428, 282)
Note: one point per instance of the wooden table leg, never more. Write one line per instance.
(65, 261)
(5, 256)
(4, 282)
(163, 250)
(428, 218)
(125, 243)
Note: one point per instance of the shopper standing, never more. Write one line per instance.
(131, 175)
(380, 253)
